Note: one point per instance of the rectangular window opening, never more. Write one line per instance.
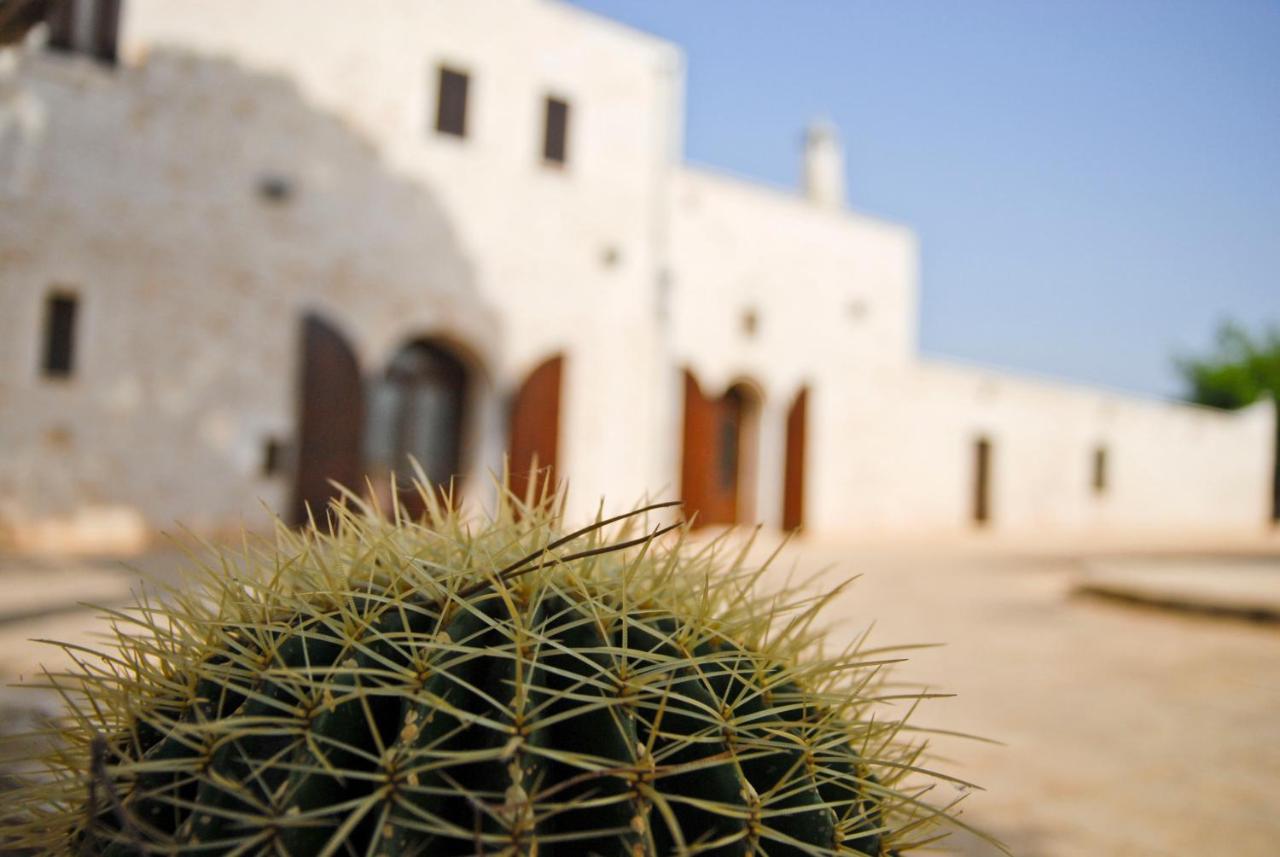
(89, 27)
(555, 138)
(1099, 480)
(274, 456)
(59, 335)
(451, 103)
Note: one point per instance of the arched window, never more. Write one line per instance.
(89, 27)
(417, 411)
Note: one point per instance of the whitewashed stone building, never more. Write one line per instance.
(250, 245)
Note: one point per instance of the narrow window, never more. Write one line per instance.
(451, 105)
(273, 454)
(89, 27)
(982, 481)
(1099, 480)
(59, 335)
(106, 30)
(555, 132)
(730, 428)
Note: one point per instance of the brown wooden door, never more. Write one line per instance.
(711, 460)
(982, 481)
(535, 429)
(793, 478)
(330, 419)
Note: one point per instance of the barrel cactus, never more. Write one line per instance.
(382, 686)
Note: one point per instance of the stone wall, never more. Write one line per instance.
(146, 201)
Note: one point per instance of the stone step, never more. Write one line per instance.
(1242, 589)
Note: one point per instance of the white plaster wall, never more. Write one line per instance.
(834, 297)
(839, 285)
(890, 439)
(136, 188)
(1172, 467)
(569, 254)
(142, 200)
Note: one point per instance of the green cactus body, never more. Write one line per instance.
(393, 694)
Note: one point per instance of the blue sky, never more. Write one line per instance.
(1095, 183)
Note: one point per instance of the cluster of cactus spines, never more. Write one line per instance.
(382, 686)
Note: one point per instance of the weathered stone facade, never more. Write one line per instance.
(250, 164)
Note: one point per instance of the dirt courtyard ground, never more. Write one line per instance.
(1125, 731)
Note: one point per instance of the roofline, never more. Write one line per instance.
(928, 360)
(790, 195)
(604, 21)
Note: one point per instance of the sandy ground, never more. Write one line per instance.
(1125, 731)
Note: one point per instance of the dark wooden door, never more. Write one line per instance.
(535, 430)
(711, 459)
(982, 481)
(793, 474)
(330, 419)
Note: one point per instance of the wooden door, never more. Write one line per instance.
(982, 481)
(330, 419)
(535, 430)
(712, 457)
(793, 475)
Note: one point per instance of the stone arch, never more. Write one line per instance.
(420, 408)
(534, 436)
(718, 464)
(330, 418)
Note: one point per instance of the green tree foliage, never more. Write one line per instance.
(1241, 370)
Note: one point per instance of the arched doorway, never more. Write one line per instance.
(793, 474)
(417, 412)
(535, 429)
(330, 419)
(719, 453)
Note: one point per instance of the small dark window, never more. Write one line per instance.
(555, 133)
(273, 456)
(59, 335)
(275, 188)
(1100, 470)
(90, 27)
(451, 105)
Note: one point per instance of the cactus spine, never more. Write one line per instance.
(400, 687)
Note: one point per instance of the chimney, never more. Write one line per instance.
(823, 165)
